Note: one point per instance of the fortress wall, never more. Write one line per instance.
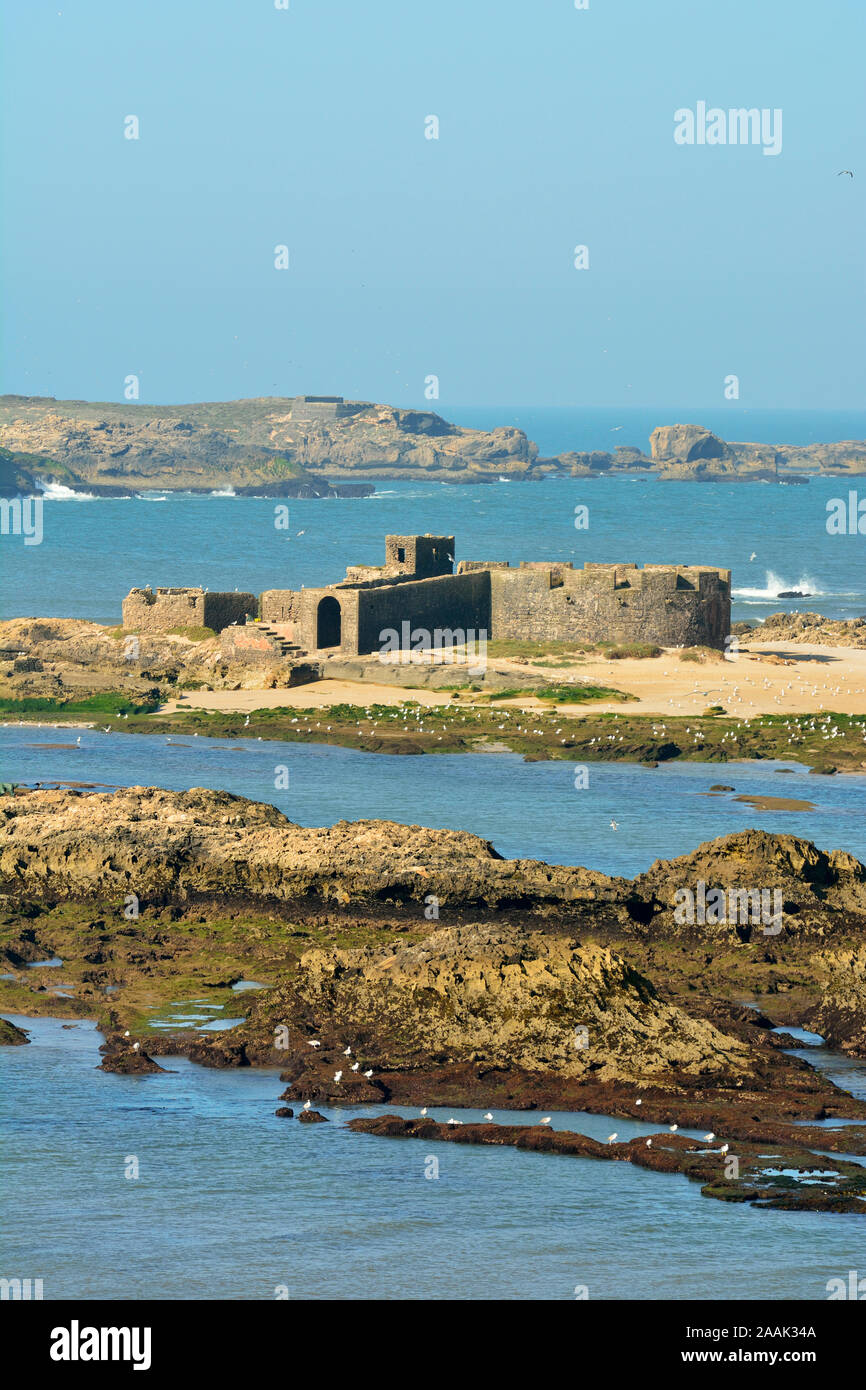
(446, 603)
(222, 609)
(165, 609)
(615, 603)
(281, 608)
(149, 611)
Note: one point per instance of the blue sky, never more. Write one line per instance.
(412, 257)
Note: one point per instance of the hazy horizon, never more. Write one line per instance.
(408, 257)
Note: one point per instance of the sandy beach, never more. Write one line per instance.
(773, 678)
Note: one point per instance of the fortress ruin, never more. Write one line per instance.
(540, 600)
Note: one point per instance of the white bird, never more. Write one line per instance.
(674, 1128)
(424, 1110)
(369, 1073)
(307, 1104)
(613, 825)
(247, 722)
(638, 1101)
(489, 1115)
(136, 1046)
(337, 1075)
(649, 1143)
(313, 1042)
(611, 1138)
(546, 1120)
(452, 1121)
(709, 1137)
(126, 1034)
(355, 1066)
(724, 1148)
(348, 1052)
(754, 555)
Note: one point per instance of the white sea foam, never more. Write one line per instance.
(58, 492)
(774, 586)
(224, 492)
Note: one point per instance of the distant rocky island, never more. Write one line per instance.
(318, 446)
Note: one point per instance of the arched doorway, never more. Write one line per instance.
(328, 623)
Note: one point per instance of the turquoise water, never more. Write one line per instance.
(529, 810)
(231, 1202)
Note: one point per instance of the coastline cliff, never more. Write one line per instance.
(310, 446)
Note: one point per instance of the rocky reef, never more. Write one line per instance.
(793, 1179)
(523, 985)
(196, 845)
(812, 628)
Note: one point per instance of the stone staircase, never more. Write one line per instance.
(282, 645)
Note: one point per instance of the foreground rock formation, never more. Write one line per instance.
(536, 985)
(184, 846)
(504, 998)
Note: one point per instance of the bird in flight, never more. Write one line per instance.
(849, 172)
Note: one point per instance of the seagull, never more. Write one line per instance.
(126, 1034)
(307, 1104)
(849, 172)
(638, 1101)
(674, 1128)
(313, 1042)
(488, 1116)
(424, 1110)
(754, 555)
(452, 1121)
(355, 1066)
(136, 1046)
(613, 825)
(247, 722)
(369, 1073)
(611, 1138)
(337, 1075)
(649, 1143)
(348, 1052)
(724, 1148)
(709, 1137)
(546, 1120)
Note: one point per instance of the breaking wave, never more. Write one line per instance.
(58, 492)
(774, 586)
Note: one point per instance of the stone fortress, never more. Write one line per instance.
(540, 600)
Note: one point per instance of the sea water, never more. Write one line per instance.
(527, 810)
(231, 1202)
(94, 551)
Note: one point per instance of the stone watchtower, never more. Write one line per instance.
(423, 557)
